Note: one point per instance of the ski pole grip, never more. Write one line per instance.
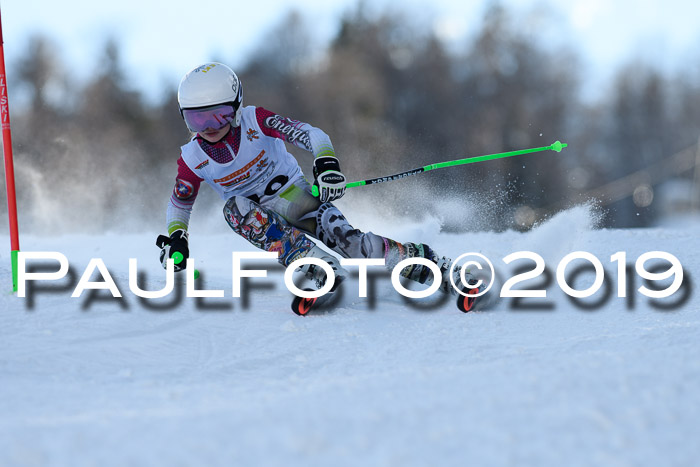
(177, 257)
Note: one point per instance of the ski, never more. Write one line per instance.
(302, 306)
(466, 303)
(470, 302)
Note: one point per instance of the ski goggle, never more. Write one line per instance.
(214, 117)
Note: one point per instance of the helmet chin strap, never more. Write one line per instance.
(238, 105)
(238, 117)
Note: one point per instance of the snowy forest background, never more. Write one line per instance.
(101, 154)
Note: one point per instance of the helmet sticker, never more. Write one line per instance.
(204, 68)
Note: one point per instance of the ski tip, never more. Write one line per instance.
(465, 303)
(557, 146)
(302, 306)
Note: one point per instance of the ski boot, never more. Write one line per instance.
(424, 275)
(465, 303)
(467, 299)
(317, 275)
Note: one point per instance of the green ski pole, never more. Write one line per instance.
(557, 146)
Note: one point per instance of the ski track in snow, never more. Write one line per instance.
(107, 382)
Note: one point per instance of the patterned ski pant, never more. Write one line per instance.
(283, 224)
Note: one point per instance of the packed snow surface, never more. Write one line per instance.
(376, 381)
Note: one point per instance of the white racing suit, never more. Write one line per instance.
(268, 200)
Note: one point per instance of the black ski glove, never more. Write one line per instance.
(176, 243)
(328, 178)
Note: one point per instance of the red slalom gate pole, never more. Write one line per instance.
(9, 165)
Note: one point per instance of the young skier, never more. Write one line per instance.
(240, 152)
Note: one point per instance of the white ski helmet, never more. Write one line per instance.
(211, 84)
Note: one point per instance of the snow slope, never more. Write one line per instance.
(376, 382)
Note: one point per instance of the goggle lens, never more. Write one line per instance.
(214, 118)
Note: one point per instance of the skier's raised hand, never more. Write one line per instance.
(169, 246)
(328, 178)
